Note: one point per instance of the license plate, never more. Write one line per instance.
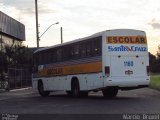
(128, 72)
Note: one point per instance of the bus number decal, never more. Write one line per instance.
(128, 63)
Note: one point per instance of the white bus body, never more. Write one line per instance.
(122, 64)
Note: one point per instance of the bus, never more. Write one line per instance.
(107, 61)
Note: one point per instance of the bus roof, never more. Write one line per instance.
(73, 41)
(84, 38)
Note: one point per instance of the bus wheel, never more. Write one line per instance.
(41, 90)
(110, 92)
(75, 88)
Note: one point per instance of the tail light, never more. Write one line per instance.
(107, 70)
(148, 70)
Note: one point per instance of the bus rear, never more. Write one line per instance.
(126, 59)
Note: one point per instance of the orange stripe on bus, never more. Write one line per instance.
(71, 70)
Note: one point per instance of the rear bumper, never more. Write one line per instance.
(127, 83)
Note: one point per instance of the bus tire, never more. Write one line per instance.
(41, 89)
(75, 89)
(110, 92)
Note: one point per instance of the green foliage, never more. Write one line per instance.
(154, 63)
(155, 82)
(14, 56)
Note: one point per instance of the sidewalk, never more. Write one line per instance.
(17, 93)
(14, 90)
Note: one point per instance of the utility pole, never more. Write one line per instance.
(37, 29)
(61, 35)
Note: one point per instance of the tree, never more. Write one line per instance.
(3, 62)
(154, 63)
(18, 55)
(158, 52)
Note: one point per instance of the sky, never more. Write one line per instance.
(85, 17)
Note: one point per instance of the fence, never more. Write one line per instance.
(19, 78)
(3, 82)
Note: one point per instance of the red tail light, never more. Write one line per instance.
(107, 70)
(148, 70)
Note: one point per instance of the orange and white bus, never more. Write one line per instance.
(111, 60)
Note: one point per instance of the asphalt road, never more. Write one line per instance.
(29, 102)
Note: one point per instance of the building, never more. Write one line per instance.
(12, 32)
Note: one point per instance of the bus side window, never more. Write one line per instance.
(52, 59)
(71, 53)
(89, 48)
(99, 52)
(97, 46)
(82, 50)
(36, 59)
(76, 51)
(53, 53)
(59, 55)
(49, 57)
(40, 59)
(45, 57)
(65, 53)
(35, 64)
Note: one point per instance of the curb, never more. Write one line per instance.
(20, 89)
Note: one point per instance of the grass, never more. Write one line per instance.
(155, 81)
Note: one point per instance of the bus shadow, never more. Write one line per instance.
(90, 97)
